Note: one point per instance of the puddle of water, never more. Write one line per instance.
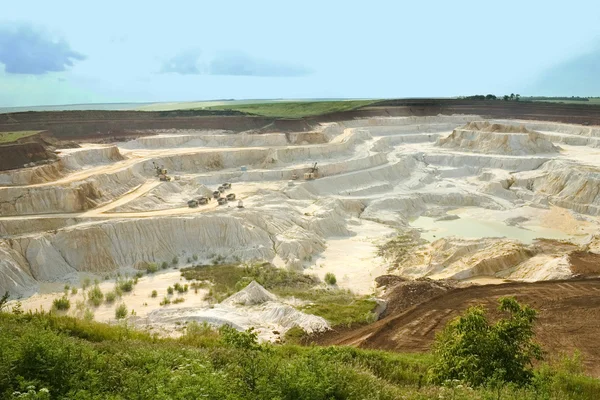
(467, 227)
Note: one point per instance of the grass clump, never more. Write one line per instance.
(336, 305)
(95, 296)
(110, 297)
(170, 290)
(61, 303)
(152, 268)
(165, 301)
(330, 278)
(9, 137)
(124, 285)
(178, 300)
(164, 265)
(180, 288)
(86, 283)
(121, 311)
(154, 294)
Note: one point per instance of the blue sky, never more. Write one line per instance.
(62, 52)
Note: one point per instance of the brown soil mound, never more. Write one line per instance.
(585, 263)
(569, 318)
(16, 155)
(403, 294)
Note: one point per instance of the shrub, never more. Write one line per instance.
(473, 351)
(330, 278)
(152, 268)
(140, 274)
(180, 288)
(175, 260)
(61, 303)
(154, 294)
(95, 296)
(164, 265)
(110, 297)
(121, 311)
(86, 283)
(165, 301)
(74, 291)
(88, 315)
(178, 300)
(195, 257)
(125, 285)
(170, 290)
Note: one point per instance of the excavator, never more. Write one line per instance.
(161, 172)
(313, 174)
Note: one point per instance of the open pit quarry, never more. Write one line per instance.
(448, 197)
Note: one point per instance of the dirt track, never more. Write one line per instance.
(569, 318)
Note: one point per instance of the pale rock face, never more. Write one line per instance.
(386, 170)
(483, 137)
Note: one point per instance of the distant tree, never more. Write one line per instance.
(517, 97)
(512, 96)
(506, 98)
(472, 350)
(490, 97)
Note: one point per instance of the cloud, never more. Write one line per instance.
(240, 64)
(230, 64)
(25, 50)
(185, 63)
(578, 76)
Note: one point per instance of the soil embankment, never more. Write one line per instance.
(569, 318)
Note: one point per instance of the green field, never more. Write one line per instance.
(590, 102)
(295, 109)
(8, 137)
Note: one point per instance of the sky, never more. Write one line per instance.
(69, 52)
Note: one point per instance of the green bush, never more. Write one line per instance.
(154, 294)
(121, 311)
(74, 291)
(170, 290)
(178, 300)
(330, 278)
(165, 301)
(175, 260)
(164, 265)
(152, 268)
(110, 297)
(95, 296)
(125, 285)
(86, 283)
(61, 303)
(472, 350)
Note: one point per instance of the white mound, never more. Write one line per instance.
(484, 137)
(252, 294)
(253, 306)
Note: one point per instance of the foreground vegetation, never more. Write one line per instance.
(296, 109)
(57, 357)
(338, 306)
(9, 137)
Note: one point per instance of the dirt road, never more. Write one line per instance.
(569, 318)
